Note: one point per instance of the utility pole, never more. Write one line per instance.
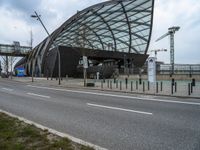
(31, 45)
(31, 39)
(7, 65)
(82, 32)
(55, 45)
(0, 66)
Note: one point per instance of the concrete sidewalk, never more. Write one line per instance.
(161, 88)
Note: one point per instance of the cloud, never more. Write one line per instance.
(16, 23)
(55, 13)
(59, 12)
(21, 5)
(12, 27)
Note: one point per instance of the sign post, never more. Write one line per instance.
(152, 69)
(85, 66)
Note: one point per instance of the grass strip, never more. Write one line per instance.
(17, 135)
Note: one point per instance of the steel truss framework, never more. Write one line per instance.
(12, 50)
(116, 25)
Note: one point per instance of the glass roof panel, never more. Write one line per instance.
(126, 24)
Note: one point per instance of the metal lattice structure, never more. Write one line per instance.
(123, 26)
(116, 25)
(171, 32)
(12, 50)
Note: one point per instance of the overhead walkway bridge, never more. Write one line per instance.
(14, 50)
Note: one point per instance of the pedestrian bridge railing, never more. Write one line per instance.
(13, 50)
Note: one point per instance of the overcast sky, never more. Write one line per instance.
(16, 24)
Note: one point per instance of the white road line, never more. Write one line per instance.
(64, 135)
(7, 89)
(122, 109)
(38, 95)
(119, 96)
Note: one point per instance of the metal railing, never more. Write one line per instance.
(11, 50)
(180, 69)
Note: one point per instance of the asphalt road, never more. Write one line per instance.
(114, 121)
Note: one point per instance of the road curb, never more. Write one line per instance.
(64, 135)
(128, 92)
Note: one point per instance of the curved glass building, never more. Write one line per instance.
(118, 31)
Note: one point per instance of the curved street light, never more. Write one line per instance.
(38, 17)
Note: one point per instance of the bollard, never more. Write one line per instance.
(120, 85)
(191, 86)
(136, 85)
(173, 81)
(110, 84)
(193, 82)
(189, 89)
(117, 84)
(161, 86)
(156, 87)
(175, 86)
(172, 88)
(140, 81)
(143, 86)
(126, 82)
(131, 85)
(148, 86)
(101, 84)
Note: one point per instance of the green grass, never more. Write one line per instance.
(17, 135)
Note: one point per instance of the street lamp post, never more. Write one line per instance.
(58, 52)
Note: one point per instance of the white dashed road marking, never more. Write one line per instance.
(38, 95)
(121, 96)
(121, 109)
(7, 89)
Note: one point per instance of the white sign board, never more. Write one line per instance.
(85, 62)
(152, 69)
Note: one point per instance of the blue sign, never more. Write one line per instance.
(20, 72)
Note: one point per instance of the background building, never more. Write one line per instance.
(113, 35)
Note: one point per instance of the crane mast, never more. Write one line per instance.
(171, 32)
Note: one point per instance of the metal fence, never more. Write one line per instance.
(180, 69)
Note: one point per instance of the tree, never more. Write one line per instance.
(7, 63)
